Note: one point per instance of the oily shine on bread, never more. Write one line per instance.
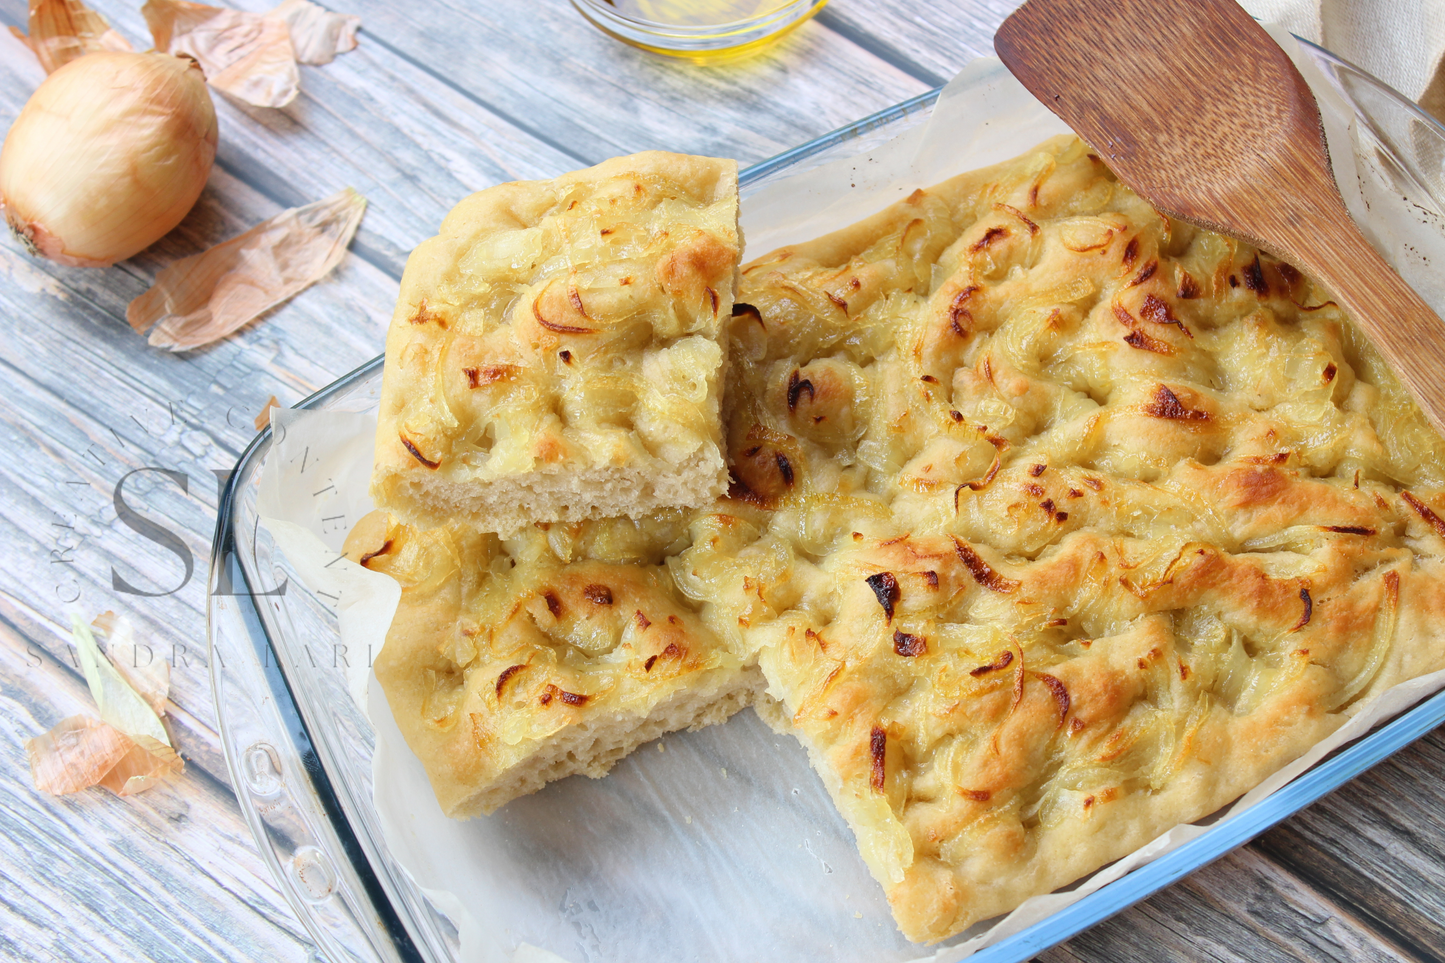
(556, 351)
(507, 668)
(1053, 523)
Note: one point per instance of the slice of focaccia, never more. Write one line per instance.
(1056, 523)
(555, 352)
(506, 668)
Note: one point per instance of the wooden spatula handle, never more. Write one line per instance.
(1401, 325)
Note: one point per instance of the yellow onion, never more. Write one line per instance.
(109, 154)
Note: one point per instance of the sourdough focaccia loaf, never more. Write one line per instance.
(1053, 523)
(1057, 523)
(555, 352)
(507, 668)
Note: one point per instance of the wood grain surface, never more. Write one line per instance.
(441, 98)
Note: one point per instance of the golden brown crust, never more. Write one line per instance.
(500, 654)
(1056, 523)
(1052, 523)
(555, 352)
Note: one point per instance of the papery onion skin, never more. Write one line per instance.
(107, 156)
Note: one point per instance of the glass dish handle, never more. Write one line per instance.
(273, 771)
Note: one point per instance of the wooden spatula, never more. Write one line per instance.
(1198, 110)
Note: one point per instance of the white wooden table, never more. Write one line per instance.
(442, 98)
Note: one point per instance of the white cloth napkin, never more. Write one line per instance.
(1400, 41)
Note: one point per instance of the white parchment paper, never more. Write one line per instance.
(723, 844)
(313, 489)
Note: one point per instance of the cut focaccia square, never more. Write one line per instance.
(506, 668)
(555, 352)
(1057, 523)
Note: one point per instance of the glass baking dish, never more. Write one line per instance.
(299, 748)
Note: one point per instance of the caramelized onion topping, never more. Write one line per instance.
(1304, 619)
(1156, 310)
(885, 589)
(1145, 274)
(1004, 660)
(989, 236)
(909, 645)
(506, 675)
(741, 310)
(878, 750)
(1060, 694)
(561, 328)
(1033, 228)
(796, 387)
(958, 310)
(1254, 277)
(1423, 510)
(385, 547)
(1166, 404)
(569, 698)
(980, 570)
(1140, 340)
(416, 453)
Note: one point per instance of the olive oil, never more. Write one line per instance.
(697, 13)
(703, 31)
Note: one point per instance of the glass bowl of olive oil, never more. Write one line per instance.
(703, 31)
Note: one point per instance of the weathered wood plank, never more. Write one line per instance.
(87, 403)
(931, 41)
(395, 118)
(411, 144)
(1378, 844)
(170, 874)
(566, 83)
(1245, 900)
(1243, 908)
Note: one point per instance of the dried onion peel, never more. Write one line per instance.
(119, 704)
(247, 55)
(62, 30)
(89, 180)
(128, 749)
(75, 754)
(207, 296)
(317, 34)
(141, 768)
(136, 661)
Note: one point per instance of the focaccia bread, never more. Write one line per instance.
(1052, 523)
(1056, 523)
(507, 668)
(555, 352)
